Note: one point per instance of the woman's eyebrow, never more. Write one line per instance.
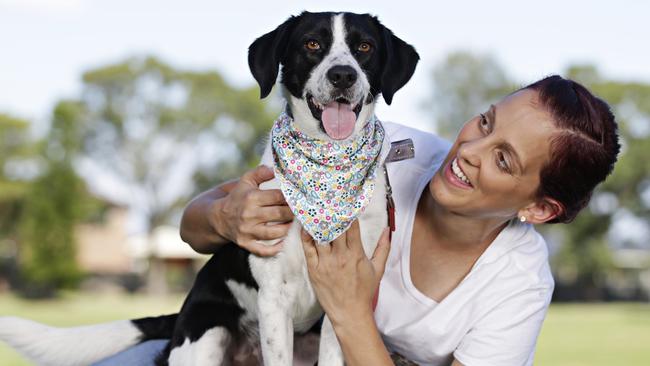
(492, 115)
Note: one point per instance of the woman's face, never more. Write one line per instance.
(492, 170)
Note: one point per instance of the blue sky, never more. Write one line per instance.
(47, 44)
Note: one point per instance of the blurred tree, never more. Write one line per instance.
(55, 202)
(157, 132)
(151, 128)
(465, 84)
(16, 150)
(17, 155)
(47, 247)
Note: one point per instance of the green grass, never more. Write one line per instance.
(595, 334)
(79, 309)
(573, 335)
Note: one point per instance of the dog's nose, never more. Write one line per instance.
(342, 76)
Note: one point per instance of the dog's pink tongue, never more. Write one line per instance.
(338, 119)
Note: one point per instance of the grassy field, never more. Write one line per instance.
(78, 309)
(595, 334)
(573, 335)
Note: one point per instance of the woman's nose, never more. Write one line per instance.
(470, 152)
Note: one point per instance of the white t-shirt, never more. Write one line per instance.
(493, 317)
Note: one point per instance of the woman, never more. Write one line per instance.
(466, 280)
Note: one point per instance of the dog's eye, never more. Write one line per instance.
(364, 47)
(312, 45)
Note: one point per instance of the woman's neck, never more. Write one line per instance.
(453, 232)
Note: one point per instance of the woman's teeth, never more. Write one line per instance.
(459, 173)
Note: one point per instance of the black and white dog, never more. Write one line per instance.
(340, 61)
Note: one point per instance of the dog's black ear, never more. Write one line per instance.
(266, 54)
(401, 59)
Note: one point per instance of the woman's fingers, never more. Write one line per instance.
(274, 214)
(354, 238)
(257, 176)
(380, 256)
(269, 197)
(308, 245)
(269, 232)
(345, 245)
(339, 244)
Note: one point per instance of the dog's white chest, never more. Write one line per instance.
(285, 278)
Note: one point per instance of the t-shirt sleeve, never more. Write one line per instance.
(506, 336)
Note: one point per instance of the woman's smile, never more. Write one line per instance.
(456, 176)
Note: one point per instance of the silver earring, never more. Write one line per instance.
(522, 218)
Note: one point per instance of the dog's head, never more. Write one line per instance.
(333, 67)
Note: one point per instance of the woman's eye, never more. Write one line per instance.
(502, 163)
(312, 45)
(485, 125)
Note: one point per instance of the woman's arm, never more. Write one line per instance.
(345, 282)
(237, 211)
(361, 342)
(196, 229)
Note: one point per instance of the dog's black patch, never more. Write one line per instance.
(210, 302)
(392, 62)
(399, 61)
(159, 327)
(286, 46)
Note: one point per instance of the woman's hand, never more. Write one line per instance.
(243, 214)
(344, 279)
(237, 211)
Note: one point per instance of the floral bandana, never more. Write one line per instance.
(327, 184)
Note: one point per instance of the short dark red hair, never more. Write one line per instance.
(584, 152)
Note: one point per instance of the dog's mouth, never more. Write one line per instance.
(337, 117)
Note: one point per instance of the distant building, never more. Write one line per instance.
(103, 247)
(108, 253)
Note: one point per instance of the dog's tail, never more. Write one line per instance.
(84, 345)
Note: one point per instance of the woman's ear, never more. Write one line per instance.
(541, 211)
